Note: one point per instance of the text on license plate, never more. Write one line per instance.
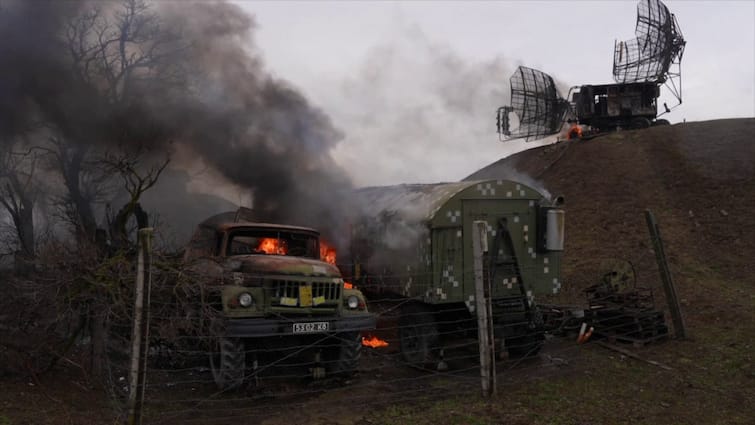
(301, 328)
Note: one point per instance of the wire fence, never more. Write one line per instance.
(421, 352)
(307, 376)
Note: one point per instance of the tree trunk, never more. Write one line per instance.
(99, 333)
(20, 205)
(83, 215)
(25, 228)
(118, 233)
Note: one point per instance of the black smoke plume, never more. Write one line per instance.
(205, 89)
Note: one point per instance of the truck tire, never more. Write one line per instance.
(227, 359)
(418, 335)
(661, 121)
(349, 353)
(527, 341)
(525, 345)
(639, 123)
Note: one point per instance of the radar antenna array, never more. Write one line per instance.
(655, 55)
(640, 67)
(536, 103)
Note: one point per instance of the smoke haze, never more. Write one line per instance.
(411, 102)
(414, 108)
(205, 91)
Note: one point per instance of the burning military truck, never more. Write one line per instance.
(414, 245)
(275, 291)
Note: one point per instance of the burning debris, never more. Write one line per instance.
(575, 132)
(276, 246)
(272, 246)
(373, 342)
(327, 253)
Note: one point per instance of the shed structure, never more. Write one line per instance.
(415, 241)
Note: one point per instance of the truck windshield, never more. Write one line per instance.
(272, 242)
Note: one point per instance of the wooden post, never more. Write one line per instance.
(139, 340)
(482, 301)
(491, 329)
(668, 282)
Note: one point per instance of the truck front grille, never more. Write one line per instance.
(286, 293)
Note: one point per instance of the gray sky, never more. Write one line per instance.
(414, 85)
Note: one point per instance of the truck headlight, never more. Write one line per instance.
(352, 302)
(245, 299)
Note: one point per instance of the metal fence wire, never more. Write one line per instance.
(291, 377)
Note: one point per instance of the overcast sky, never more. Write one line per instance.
(414, 85)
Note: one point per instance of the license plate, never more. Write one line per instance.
(310, 327)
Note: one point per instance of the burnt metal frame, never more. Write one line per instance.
(654, 56)
(536, 102)
(650, 56)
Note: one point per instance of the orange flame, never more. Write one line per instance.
(575, 132)
(272, 246)
(374, 342)
(327, 253)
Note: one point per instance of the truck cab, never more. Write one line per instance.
(272, 288)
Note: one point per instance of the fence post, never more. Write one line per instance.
(139, 340)
(668, 282)
(483, 308)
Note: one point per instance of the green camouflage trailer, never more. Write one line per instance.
(414, 241)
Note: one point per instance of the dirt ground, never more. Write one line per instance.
(698, 178)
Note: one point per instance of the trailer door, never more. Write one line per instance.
(510, 257)
(448, 265)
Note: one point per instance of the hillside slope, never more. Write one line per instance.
(699, 180)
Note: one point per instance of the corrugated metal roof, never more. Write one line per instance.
(412, 202)
(267, 226)
(230, 219)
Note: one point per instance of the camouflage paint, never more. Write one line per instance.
(440, 271)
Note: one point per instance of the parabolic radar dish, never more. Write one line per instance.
(656, 54)
(536, 104)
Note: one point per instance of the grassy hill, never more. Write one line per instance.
(698, 178)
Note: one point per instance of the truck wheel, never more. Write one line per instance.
(349, 353)
(525, 345)
(227, 359)
(661, 121)
(418, 334)
(640, 122)
(525, 341)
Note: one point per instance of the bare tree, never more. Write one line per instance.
(117, 63)
(137, 179)
(84, 184)
(116, 57)
(18, 194)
